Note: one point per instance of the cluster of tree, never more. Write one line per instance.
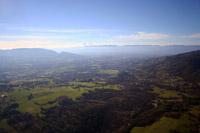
(9, 111)
(6, 87)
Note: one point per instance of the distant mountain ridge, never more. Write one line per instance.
(36, 53)
(35, 56)
(114, 50)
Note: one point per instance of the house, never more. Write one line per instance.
(4, 96)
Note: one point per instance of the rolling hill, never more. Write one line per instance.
(186, 65)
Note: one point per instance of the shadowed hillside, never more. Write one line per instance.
(185, 65)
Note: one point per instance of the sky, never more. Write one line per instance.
(79, 23)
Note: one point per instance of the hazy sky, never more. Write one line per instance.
(72, 23)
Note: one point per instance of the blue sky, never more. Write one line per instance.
(77, 23)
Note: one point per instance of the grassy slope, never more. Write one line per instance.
(165, 125)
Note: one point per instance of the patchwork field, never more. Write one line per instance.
(45, 97)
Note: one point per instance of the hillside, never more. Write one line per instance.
(186, 66)
(175, 80)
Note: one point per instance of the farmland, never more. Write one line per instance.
(45, 90)
(110, 94)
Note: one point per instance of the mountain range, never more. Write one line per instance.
(36, 54)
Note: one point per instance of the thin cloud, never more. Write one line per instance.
(49, 30)
(35, 37)
(143, 35)
(192, 36)
(103, 35)
(61, 31)
(56, 44)
(37, 44)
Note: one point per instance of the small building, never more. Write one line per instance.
(4, 96)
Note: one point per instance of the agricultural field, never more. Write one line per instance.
(33, 94)
(41, 96)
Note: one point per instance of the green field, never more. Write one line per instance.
(42, 95)
(166, 125)
(108, 71)
(165, 93)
